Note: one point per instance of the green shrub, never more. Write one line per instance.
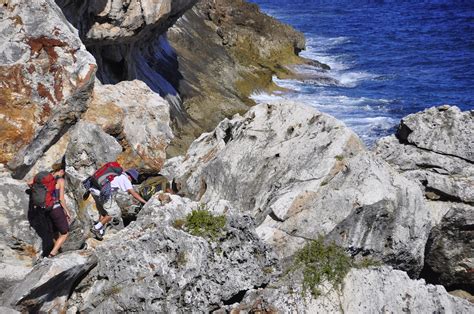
(320, 262)
(339, 158)
(202, 223)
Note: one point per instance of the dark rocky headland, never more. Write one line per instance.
(282, 208)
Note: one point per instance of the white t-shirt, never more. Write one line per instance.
(121, 182)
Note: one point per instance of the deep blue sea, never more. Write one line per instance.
(388, 58)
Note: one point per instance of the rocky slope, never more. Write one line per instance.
(46, 78)
(303, 174)
(280, 175)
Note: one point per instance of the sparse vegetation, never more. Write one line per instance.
(339, 157)
(321, 262)
(202, 223)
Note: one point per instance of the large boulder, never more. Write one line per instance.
(89, 148)
(132, 112)
(153, 266)
(48, 286)
(445, 130)
(303, 174)
(372, 290)
(46, 79)
(435, 149)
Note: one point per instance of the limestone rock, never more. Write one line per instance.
(88, 149)
(14, 265)
(443, 177)
(372, 290)
(132, 112)
(116, 21)
(450, 249)
(47, 287)
(445, 130)
(435, 149)
(303, 174)
(46, 77)
(151, 266)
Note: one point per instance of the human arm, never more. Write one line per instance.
(136, 196)
(30, 182)
(62, 199)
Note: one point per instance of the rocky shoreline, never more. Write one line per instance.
(139, 82)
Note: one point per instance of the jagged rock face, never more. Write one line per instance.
(47, 287)
(88, 149)
(373, 290)
(130, 111)
(450, 250)
(434, 148)
(153, 267)
(445, 130)
(119, 21)
(46, 79)
(302, 174)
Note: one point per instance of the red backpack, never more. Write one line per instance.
(102, 178)
(43, 190)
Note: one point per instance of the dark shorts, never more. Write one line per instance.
(100, 206)
(59, 220)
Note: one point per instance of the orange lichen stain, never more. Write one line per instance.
(16, 123)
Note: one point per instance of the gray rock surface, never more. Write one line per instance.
(443, 177)
(153, 267)
(450, 249)
(303, 174)
(372, 290)
(88, 149)
(445, 130)
(118, 21)
(435, 149)
(47, 77)
(138, 118)
(47, 287)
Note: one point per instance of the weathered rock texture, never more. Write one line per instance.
(206, 66)
(46, 78)
(153, 267)
(48, 286)
(303, 174)
(445, 130)
(373, 290)
(138, 118)
(451, 248)
(118, 21)
(435, 149)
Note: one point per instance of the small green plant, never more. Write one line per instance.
(202, 223)
(179, 223)
(339, 157)
(320, 262)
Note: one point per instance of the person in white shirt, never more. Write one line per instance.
(122, 183)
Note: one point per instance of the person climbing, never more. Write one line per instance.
(48, 197)
(118, 180)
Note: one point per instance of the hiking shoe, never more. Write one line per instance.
(97, 234)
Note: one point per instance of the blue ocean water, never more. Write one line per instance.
(387, 58)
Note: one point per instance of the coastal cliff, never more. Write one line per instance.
(281, 208)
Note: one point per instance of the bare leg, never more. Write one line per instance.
(105, 219)
(57, 244)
